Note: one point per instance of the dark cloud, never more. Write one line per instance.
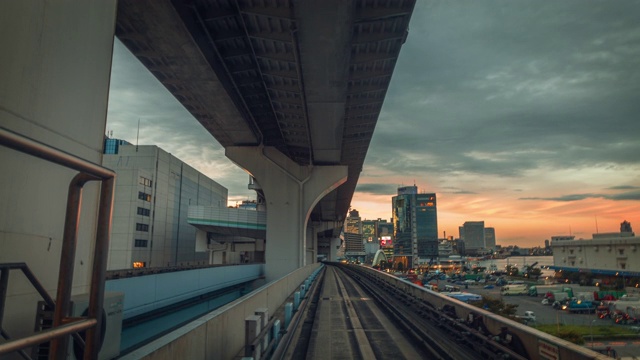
(484, 88)
(136, 95)
(377, 189)
(502, 87)
(623, 187)
(455, 190)
(573, 197)
(632, 195)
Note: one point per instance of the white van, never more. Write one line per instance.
(520, 289)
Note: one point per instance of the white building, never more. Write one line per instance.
(154, 190)
(562, 238)
(607, 254)
(445, 248)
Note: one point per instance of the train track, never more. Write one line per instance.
(354, 317)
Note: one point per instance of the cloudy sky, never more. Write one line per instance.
(524, 114)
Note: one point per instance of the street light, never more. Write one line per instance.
(591, 331)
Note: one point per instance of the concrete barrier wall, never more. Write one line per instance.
(150, 292)
(533, 340)
(220, 334)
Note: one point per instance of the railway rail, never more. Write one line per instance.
(360, 313)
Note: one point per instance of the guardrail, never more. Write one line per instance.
(221, 333)
(62, 324)
(526, 341)
(266, 339)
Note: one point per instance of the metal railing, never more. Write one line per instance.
(63, 325)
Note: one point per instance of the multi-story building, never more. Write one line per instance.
(415, 222)
(609, 256)
(490, 238)
(385, 237)
(562, 238)
(154, 190)
(474, 236)
(353, 223)
(445, 248)
(370, 230)
(353, 242)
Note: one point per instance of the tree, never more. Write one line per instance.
(497, 306)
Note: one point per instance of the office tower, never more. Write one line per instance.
(370, 230)
(152, 196)
(415, 224)
(474, 236)
(354, 245)
(385, 237)
(490, 238)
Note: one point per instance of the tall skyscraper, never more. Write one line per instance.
(415, 222)
(474, 237)
(369, 230)
(385, 236)
(354, 245)
(490, 238)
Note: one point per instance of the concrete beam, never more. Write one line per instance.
(291, 192)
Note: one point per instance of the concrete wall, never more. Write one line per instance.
(220, 334)
(615, 254)
(531, 338)
(146, 293)
(55, 64)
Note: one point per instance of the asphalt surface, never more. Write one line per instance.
(545, 314)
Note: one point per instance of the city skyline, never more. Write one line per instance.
(522, 115)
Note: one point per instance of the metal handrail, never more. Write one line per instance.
(46, 335)
(88, 172)
(4, 281)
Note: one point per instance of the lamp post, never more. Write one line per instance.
(591, 331)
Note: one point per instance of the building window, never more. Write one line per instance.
(141, 243)
(623, 266)
(621, 251)
(571, 251)
(139, 264)
(144, 196)
(143, 211)
(142, 227)
(144, 181)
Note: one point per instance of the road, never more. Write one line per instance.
(545, 314)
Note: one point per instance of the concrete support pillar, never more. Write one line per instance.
(311, 245)
(55, 66)
(291, 191)
(333, 249)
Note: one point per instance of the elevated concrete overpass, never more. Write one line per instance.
(291, 89)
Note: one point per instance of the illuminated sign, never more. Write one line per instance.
(385, 241)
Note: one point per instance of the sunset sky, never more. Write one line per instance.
(524, 114)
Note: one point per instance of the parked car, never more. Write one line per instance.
(528, 316)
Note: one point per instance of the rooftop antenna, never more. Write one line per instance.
(138, 135)
(596, 216)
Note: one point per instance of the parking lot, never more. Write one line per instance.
(545, 314)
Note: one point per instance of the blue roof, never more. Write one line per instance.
(596, 271)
